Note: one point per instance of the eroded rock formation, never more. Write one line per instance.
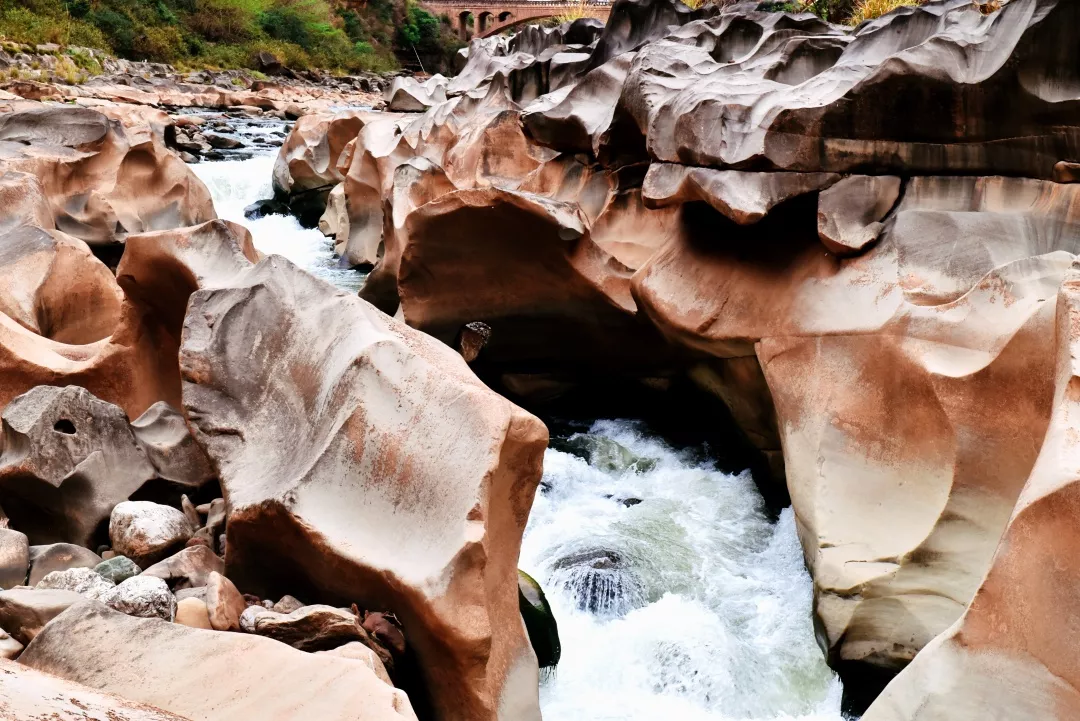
(813, 218)
(332, 384)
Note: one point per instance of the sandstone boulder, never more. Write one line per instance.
(147, 532)
(163, 434)
(68, 458)
(902, 482)
(102, 182)
(795, 93)
(25, 611)
(418, 420)
(189, 568)
(1011, 655)
(29, 694)
(198, 674)
(311, 628)
(554, 284)
(309, 159)
(10, 648)
(14, 558)
(54, 286)
(407, 94)
(192, 612)
(224, 604)
(59, 557)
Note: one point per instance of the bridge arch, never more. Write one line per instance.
(484, 18)
(466, 24)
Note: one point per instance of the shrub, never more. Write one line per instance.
(118, 28)
(870, 9)
(160, 45)
(223, 21)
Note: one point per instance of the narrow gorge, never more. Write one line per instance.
(714, 363)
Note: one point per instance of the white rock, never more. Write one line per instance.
(144, 597)
(83, 581)
(147, 532)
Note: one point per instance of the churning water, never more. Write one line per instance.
(235, 184)
(676, 597)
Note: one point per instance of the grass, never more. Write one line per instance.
(870, 9)
(331, 35)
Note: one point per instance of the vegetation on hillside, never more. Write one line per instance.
(851, 12)
(371, 35)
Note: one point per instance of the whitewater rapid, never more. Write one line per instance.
(235, 184)
(677, 599)
(681, 599)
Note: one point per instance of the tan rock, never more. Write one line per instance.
(192, 612)
(744, 198)
(1013, 653)
(850, 212)
(485, 485)
(25, 611)
(901, 481)
(102, 181)
(224, 604)
(189, 568)
(54, 286)
(10, 648)
(14, 558)
(197, 673)
(29, 694)
(359, 651)
(59, 557)
(308, 159)
(554, 282)
(311, 628)
(163, 434)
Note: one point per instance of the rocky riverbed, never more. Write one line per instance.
(292, 453)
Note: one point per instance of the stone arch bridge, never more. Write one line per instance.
(481, 18)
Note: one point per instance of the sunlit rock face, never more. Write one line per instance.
(816, 221)
(103, 179)
(1010, 655)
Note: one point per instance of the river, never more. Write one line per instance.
(677, 599)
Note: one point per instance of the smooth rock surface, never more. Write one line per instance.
(163, 664)
(68, 459)
(14, 558)
(189, 568)
(58, 557)
(224, 604)
(25, 611)
(301, 393)
(26, 694)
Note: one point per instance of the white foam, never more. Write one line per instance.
(236, 184)
(725, 629)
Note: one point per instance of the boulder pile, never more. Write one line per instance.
(854, 237)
